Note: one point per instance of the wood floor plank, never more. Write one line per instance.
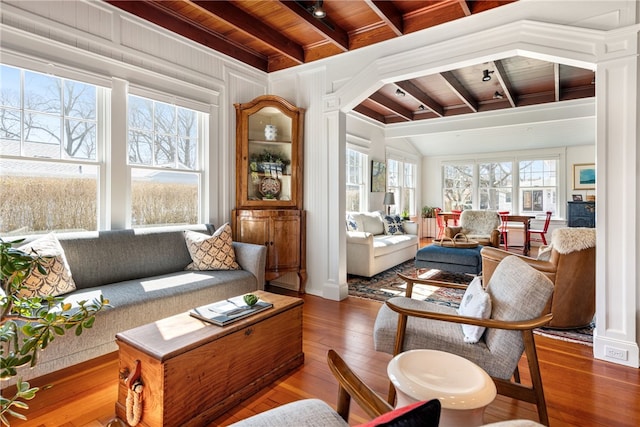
(580, 391)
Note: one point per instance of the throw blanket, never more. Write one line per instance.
(567, 240)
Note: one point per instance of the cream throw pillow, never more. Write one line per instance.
(475, 303)
(211, 252)
(58, 280)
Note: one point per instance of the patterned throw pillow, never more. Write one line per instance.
(475, 303)
(393, 225)
(58, 279)
(211, 252)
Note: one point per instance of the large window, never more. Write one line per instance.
(49, 145)
(163, 141)
(457, 186)
(55, 154)
(401, 180)
(494, 185)
(538, 186)
(357, 171)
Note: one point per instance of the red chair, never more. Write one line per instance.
(456, 216)
(504, 227)
(543, 231)
(440, 222)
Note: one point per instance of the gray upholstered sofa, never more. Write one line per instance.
(142, 274)
(371, 248)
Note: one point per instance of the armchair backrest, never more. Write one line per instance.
(570, 265)
(479, 222)
(517, 292)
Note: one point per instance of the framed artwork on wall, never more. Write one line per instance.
(584, 176)
(378, 176)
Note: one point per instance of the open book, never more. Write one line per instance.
(227, 311)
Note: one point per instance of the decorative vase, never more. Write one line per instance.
(270, 132)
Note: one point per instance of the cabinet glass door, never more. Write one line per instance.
(269, 156)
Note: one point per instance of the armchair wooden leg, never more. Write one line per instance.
(536, 379)
(516, 375)
(391, 397)
(397, 349)
(344, 402)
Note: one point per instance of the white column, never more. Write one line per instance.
(335, 138)
(617, 198)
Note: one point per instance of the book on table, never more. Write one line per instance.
(227, 311)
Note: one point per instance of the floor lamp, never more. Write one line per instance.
(389, 199)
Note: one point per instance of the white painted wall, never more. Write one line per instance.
(99, 39)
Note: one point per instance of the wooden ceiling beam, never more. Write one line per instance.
(332, 32)
(366, 111)
(465, 7)
(156, 13)
(503, 78)
(389, 14)
(421, 97)
(457, 87)
(387, 103)
(247, 24)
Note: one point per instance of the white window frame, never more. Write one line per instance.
(363, 183)
(103, 94)
(400, 187)
(515, 157)
(114, 173)
(199, 170)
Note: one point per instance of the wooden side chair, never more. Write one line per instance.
(543, 231)
(518, 295)
(504, 228)
(439, 222)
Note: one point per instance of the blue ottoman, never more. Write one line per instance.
(456, 260)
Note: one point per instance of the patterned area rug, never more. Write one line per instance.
(387, 284)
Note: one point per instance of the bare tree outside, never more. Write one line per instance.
(45, 119)
(164, 136)
(496, 186)
(458, 186)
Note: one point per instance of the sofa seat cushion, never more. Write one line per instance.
(135, 303)
(384, 244)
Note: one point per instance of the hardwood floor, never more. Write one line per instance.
(580, 391)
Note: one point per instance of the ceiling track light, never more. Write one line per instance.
(497, 95)
(421, 107)
(317, 11)
(399, 92)
(485, 75)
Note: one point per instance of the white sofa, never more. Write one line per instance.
(371, 248)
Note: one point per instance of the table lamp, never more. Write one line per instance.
(389, 199)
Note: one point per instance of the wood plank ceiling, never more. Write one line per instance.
(274, 35)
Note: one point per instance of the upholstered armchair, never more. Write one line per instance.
(479, 225)
(570, 262)
(514, 298)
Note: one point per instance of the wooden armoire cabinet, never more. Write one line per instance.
(269, 211)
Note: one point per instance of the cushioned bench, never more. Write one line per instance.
(456, 260)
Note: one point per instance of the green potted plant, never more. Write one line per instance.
(428, 212)
(29, 324)
(405, 215)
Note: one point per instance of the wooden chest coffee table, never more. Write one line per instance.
(193, 371)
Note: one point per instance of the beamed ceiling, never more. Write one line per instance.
(274, 35)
